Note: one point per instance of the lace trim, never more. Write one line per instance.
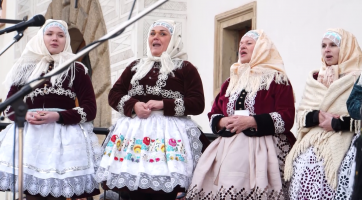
(121, 103)
(212, 119)
(179, 108)
(250, 102)
(309, 175)
(346, 173)
(233, 193)
(144, 181)
(231, 104)
(165, 183)
(278, 122)
(82, 114)
(157, 90)
(67, 187)
(50, 90)
(137, 89)
(282, 149)
(196, 146)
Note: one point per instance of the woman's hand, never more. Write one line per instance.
(239, 123)
(141, 109)
(223, 123)
(325, 120)
(41, 117)
(154, 105)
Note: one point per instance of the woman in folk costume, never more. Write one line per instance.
(253, 114)
(60, 149)
(321, 163)
(154, 147)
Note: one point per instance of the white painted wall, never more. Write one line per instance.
(296, 28)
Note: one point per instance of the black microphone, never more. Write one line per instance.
(37, 20)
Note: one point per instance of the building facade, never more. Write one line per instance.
(211, 30)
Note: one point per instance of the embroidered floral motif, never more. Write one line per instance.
(278, 122)
(231, 104)
(50, 90)
(120, 105)
(165, 183)
(136, 149)
(250, 102)
(83, 115)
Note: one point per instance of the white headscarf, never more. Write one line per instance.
(170, 59)
(35, 59)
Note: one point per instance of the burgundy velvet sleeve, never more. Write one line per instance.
(193, 102)
(282, 119)
(284, 104)
(216, 112)
(12, 91)
(83, 88)
(118, 97)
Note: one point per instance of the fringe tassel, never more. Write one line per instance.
(168, 65)
(357, 126)
(253, 79)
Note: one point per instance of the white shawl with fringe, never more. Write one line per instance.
(329, 146)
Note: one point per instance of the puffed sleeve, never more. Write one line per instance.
(354, 102)
(118, 97)
(282, 118)
(193, 101)
(83, 88)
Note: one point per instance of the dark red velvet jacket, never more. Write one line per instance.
(182, 93)
(272, 109)
(49, 96)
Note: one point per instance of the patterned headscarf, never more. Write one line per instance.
(252, 34)
(170, 59)
(55, 24)
(35, 59)
(349, 59)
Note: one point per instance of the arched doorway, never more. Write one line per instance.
(86, 24)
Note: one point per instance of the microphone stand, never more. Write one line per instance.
(26, 89)
(13, 21)
(17, 37)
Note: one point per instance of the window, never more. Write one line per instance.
(230, 26)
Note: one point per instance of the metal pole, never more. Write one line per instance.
(7, 47)
(20, 158)
(15, 39)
